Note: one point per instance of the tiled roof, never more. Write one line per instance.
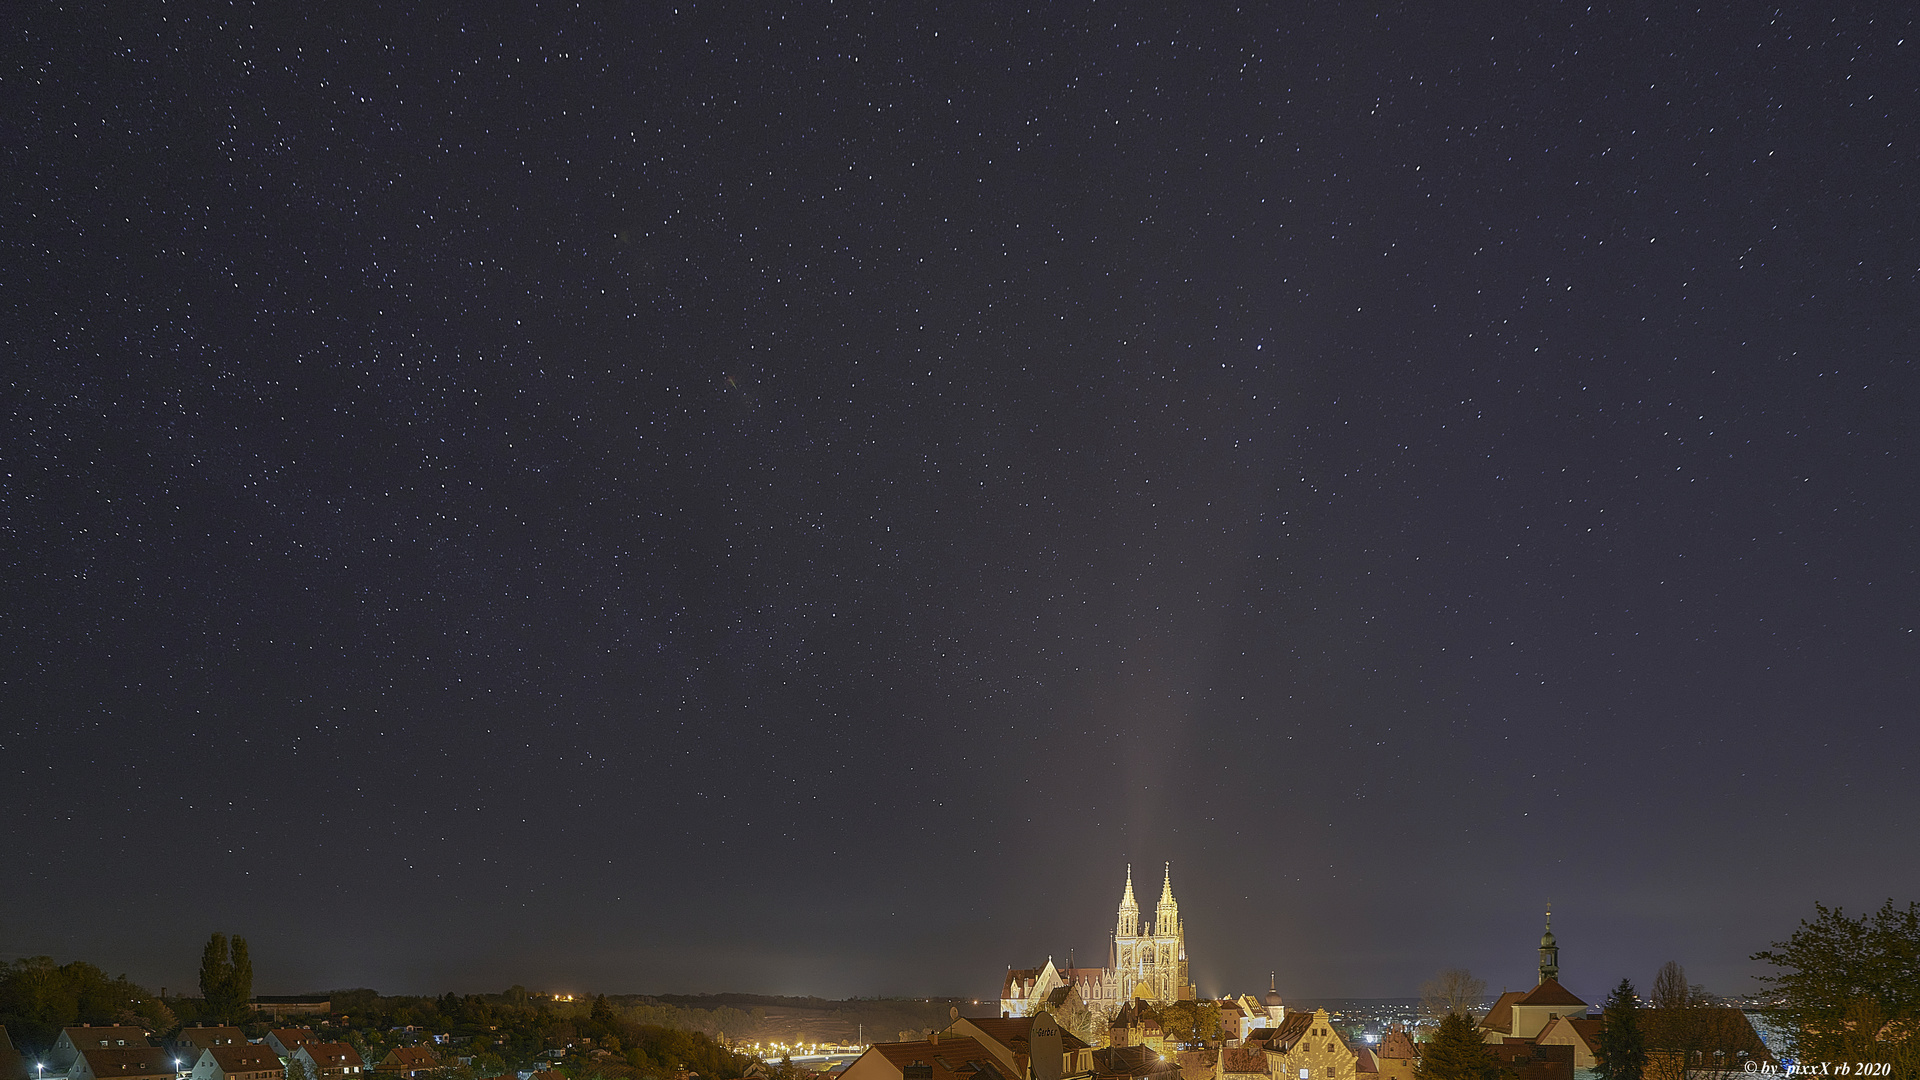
(248, 1058)
(1500, 1017)
(114, 1036)
(204, 1037)
(1364, 1061)
(128, 1061)
(1011, 1030)
(1530, 1061)
(1016, 978)
(1706, 1029)
(1585, 1028)
(412, 1057)
(1241, 1059)
(1396, 1044)
(333, 1055)
(1288, 1033)
(12, 1065)
(1550, 992)
(1133, 1062)
(950, 1058)
(293, 1037)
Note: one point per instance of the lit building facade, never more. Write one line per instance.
(1147, 960)
(1151, 959)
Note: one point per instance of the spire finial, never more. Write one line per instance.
(1549, 949)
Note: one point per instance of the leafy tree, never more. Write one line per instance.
(1868, 1033)
(1837, 974)
(1191, 1023)
(155, 1015)
(240, 978)
(1456, 1052)
(226, 979)
(1085, 1021)
(368, 1049)
(1620, 1051)
(601, 1018)
(1454, 990)
(38, 998)
(216, 977)
(298, 1070)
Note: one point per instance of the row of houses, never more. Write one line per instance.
(212, 1053)
(1695, 1041)
(1305, 1045)
(1545, 1033)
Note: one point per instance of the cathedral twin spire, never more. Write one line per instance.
(1152, 959)
(1166, 912)
(1164, 908)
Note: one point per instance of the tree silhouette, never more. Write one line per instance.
(1454, 990)
(1620, 1052)
(226, 978)
(1456, 1052)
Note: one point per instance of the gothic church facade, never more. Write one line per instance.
(1151, 959)
(1146, 960)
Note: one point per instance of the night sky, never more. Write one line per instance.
(636, 498)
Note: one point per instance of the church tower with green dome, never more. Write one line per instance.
(1549, 951)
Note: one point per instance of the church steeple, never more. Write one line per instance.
(1166, 913)
(1128, 922)
(1549, 951)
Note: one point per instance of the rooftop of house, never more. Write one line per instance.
(1013, 1032)
(105, 1036)
(952, 1058)
(251, 1057)
(1549, 992)
(1500, 1017)
(332, 1055)
(1134, 1062)
(128, 1061)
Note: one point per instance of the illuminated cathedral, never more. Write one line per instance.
(1151, 961)
(1144, 961)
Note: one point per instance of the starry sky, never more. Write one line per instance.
(794, 498)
